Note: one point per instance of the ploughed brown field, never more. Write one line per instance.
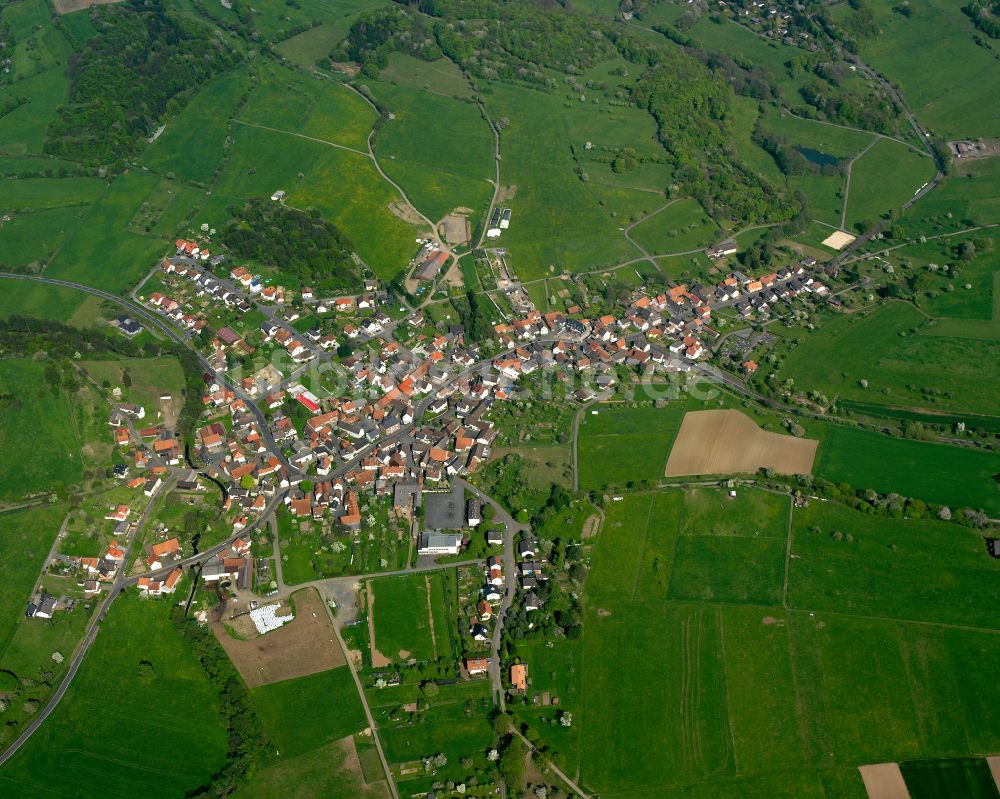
(306, 645)
(884, 781)
(727, 441)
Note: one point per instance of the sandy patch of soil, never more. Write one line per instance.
(838, 240)
(727, 442)
(456, 229)
(884, 781)
(590, 526)
(603, 613)
(69, 6)
(406, 212)
(506, 193)
(378, 659)
(306, 645)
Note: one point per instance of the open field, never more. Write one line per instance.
(950, 475)
(292, 101)
(148, 379)
(332, 770)
(41, 432)
(306, 713)
(556, 222)
(192, 145)
(22, 131)
(441, 77)
(163, 731)
(884, 178)
(439, 149)
(753, 700)
(411, 617)
(822, 137)
(306, 645)
(620, 445)
(896, 350)
(726, 441)
(27, 535)
(344, 186)
(918, 570)
(955, 99)
(683, 226)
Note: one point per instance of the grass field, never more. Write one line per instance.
(344, 186)
(101, 252)
(898, 352)
(436, 77)
(439, 149)
(949, 475)
(411, 615)
(33, 238)
(682, 226)
(192, 145)
(916, 570)
(953, 100)
(41, 435)
(149, 378)
(22, 131)
(308, 713)
(27, 535)
(833, 140)
(752, 700)
(160, 733)
(884, 178)
(556, 222)
(745, 114)
(289, 100)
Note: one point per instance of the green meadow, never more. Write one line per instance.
(412, 616)
(344, 186)
(731, 694)
(289, 100)
(955, 99)
(897, 350)
(437, 148)
(557, 225)
(884, 178)
(683, 225)
(192, 145)
(916, 570)
(307, 713)
(133, 731)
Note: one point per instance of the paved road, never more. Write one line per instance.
(509, 565)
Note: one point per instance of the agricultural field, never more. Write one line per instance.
(967, 778)
(797, 698)
(190, 742)
(556, 225)
(411, 617)
(884, 178)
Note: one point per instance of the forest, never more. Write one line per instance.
(301, 244)
(142, 66)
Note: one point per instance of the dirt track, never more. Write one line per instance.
(306, 645)
(884, 781)
(727, 442)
